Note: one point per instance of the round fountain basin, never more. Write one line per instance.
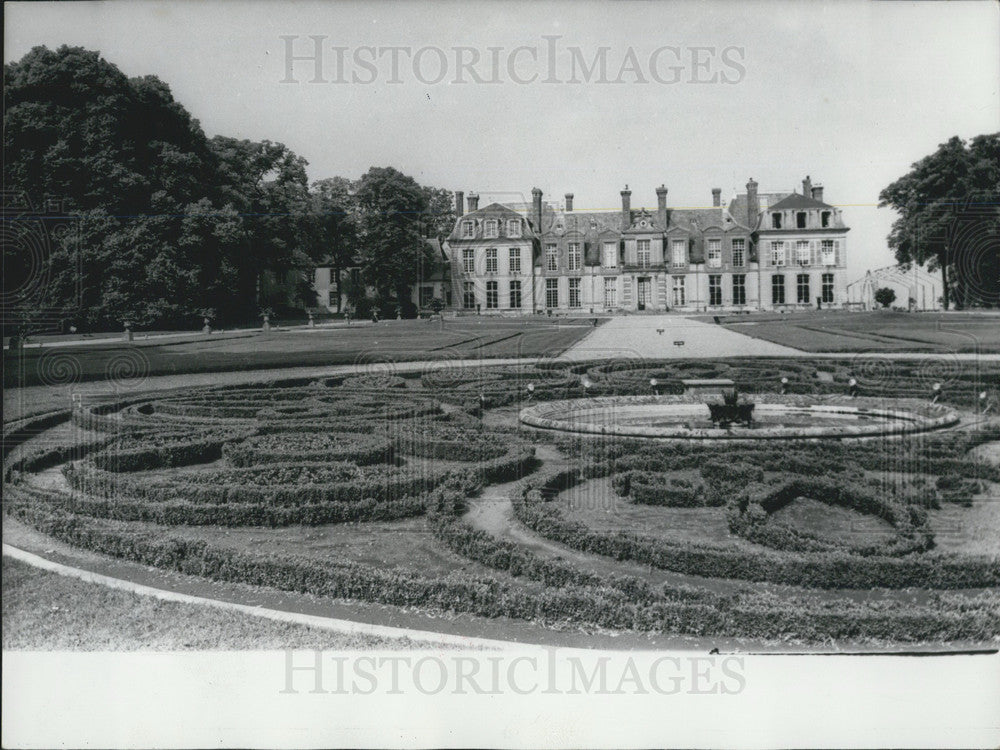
(775, 417)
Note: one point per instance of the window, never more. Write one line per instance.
(825, 219)
(468, 295)
(426, 295)
(775, 221)
(468, 229)
(777, 253)
(800, 220)
(611, 292)
(515, 294)
(802, 288)
(642, 253)
(492, 297)
(778, 290)
(469, 260)
(574, 259)
(827, 289)
(491, 228)
(551, 258)
(679, 289)
(678, 256)
(552, 292)
(610, 254)
(514, 229)
(739, 289)
(715, 253)
(514, 260)
(739, 252)
(715, 289)
(802, 252)
(829, 256)
(491, 260)
(574, 292)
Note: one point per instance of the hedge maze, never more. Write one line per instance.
(797, 542)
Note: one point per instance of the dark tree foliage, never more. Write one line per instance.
(136, 174)
(393, 248)
(164, 225)
(949, 216)
(885, 296)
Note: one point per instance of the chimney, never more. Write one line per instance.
(807, 187)
(459, 203)
(473, 202)
(569, 202)
(661, 206)
(753, 205)
(817, 192)
(716, 196)
(626, 208)
(536, 209)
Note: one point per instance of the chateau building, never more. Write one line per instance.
(762, 251)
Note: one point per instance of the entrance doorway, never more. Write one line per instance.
(645, 292)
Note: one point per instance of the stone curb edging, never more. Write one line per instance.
(347, 627)
(542, 416)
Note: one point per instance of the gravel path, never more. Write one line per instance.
(680, 337)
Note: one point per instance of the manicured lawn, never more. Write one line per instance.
(44, 610)
(388, 341)
(839, 331)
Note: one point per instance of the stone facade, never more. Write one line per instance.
(761, 251)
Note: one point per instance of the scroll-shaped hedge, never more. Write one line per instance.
(278, 447)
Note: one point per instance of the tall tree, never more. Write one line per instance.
(949, 217)
(127, 164)
(336, 223)
(266, 183)
(393, 249)
(441, 216)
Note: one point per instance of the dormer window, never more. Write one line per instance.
(800, 220)
(513, 227)
(825, 219)
(468, 230)
(776, 221)
(491, 228)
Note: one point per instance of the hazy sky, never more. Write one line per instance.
(849, 93)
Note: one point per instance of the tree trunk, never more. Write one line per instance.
(944, 279)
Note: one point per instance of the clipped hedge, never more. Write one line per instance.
(834, 570)
(599, 606)
(655, 488)
(282, 447)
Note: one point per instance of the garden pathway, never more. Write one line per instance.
(680, 337)
(670, 337)
(493, 512)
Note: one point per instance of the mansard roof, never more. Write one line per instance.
(738, 207)
(492, 211)
(798, 201)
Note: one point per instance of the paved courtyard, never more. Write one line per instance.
(665, 336)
